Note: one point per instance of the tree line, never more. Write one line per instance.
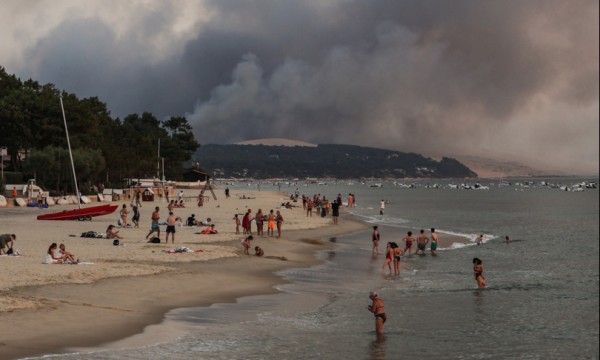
(105, 149)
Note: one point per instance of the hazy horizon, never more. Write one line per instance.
(507, 80)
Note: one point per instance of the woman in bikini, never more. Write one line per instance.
(397, 253)
(377, 308)
(388, 259)
(279, 221)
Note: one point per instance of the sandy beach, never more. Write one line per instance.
(119, 290)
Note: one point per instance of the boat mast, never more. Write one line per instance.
(70, 152)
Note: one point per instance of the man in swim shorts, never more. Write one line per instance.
(408, 240)
(154, 228)
(434, 242)
(422, 241)
(378, 310)
(171, 221)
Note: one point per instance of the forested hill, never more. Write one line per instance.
(333, 161)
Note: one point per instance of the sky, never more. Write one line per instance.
(506, 79)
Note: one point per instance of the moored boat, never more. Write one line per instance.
(80, 214)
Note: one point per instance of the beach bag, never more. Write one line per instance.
(154, 240)
(116, 242)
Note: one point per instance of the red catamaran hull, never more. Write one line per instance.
(80, 214)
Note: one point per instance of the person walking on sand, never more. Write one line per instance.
(154, 228)
(246, 242)
(408, 240)
(478, 272)
(279, 221)
(237, 221)
(377, 308)
(136, 216)
(171, 222)
(389, 256)
(138, 194)
(422, 241)
(124, 212)
(375, 239)
(14, 193)
(434, 242)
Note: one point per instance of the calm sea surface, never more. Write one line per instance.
(541, 301)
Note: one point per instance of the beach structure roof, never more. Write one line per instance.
(194, 175)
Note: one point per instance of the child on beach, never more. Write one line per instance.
(258, 251)
(124, 212)
(237, 221)
(246, 242)
(270, 223)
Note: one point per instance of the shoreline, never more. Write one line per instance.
(93, 307)
(109, 308)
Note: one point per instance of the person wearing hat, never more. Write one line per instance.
(378, 310)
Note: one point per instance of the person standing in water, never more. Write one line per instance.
(375, 239)
(408, 240)
(478, 272)
(389, 256)
(377, 308)
(434, 242)
(422, 241)
(397, 253)
(479, 239)
(381, 207)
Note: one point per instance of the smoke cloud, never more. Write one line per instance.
(497, 79)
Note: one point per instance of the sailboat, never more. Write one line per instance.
(86, 213)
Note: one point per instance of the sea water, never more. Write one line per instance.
(541, 301)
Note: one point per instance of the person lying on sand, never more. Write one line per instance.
(209, 230)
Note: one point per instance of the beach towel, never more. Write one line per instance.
(181, 250)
